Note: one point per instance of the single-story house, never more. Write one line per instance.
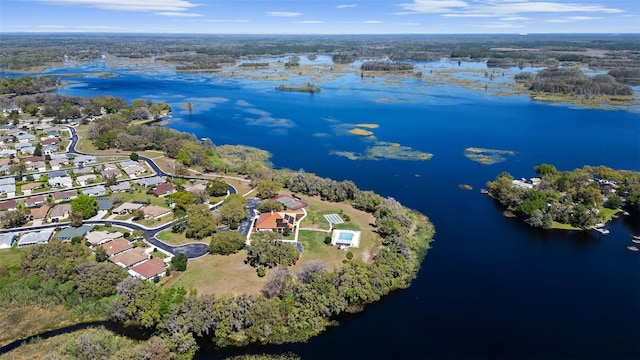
(49, 149)
(40, 213)
(274, 221)
(7, 127)
(70, 232)
(116, 246)
(9, 205)
(65, 195)
(148, 269)
(129, 258)
(126, 208)
(107, 173)
(163, 189)
(20, 146)
(108, 166)
(150, 181)
(6, 240)
(154, 211)
(65, 182)
(52, 141)
(28, 188)
(82, 160)
(120, 187)
(57, 163)
(24, 137)
(31, 159)
(60, 156)
(104, 203)
(35, 237)
(39, 166)
(82, 180)
(84, 170)
(128, 163)
(5, 161)
(52, 133)
(57, 174)
(8, 153)
(28, 150)
(4, 169)
(60, 212)
(132, 171)
(35, 201)
(100, 237)
(8, 186)
(97, 190)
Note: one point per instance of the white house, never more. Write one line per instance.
(97, 190)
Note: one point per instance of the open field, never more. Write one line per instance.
(218, 274)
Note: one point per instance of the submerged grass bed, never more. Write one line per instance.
(385, 150)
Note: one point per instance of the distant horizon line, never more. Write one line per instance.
(309, 34)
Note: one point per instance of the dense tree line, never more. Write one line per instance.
(385, 66)
(26, 85)
(572, 81)
(568, 197)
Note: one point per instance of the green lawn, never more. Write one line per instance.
(607, 213)
(313, 242)
(178, 239)
(140, 194)
(158, 254)
(10, 261)
(561, 226)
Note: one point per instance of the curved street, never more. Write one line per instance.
(191, 250)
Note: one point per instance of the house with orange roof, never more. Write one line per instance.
(275, 221)
(116, 246)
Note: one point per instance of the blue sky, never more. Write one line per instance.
(321, 16)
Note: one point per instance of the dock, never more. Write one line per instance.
(601, 230)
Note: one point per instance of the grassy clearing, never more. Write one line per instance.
(140, 195)
(10, 261)
(561, 226)
(218, 274)
(158, 254)
(607, 213)
(178, 239)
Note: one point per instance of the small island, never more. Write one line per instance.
(582, 199)
(308, 87)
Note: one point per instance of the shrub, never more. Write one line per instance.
(261, 271)
(327, 240)
(349, 255)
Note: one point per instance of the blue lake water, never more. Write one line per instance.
(491, 287)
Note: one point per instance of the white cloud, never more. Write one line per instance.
(499, 8)
(283, 13)
(346, 6)
(515, 18)
(228, 20)
(308, 22)
(572, 19)
(175, 13)
(409, 24)
(131, 5)
(433, 6)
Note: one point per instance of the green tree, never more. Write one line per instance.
(545, 169)
(226, 242)
(183, 200)
(138, 303)
(179, 262)
(267, 189)
(75, 219)
(134, 156)
(101, 254)
(200, 222)
(234, 208)
(614, 201)
(85, 205)
(217, 187)
(270, 205)
(98, 280)
(266, 251)
(184, 157)
(38, 150)
(16, 218)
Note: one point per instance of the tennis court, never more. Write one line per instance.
(333, 219)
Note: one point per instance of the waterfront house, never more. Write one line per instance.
(274, 221)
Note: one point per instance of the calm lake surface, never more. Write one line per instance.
(490, 287)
